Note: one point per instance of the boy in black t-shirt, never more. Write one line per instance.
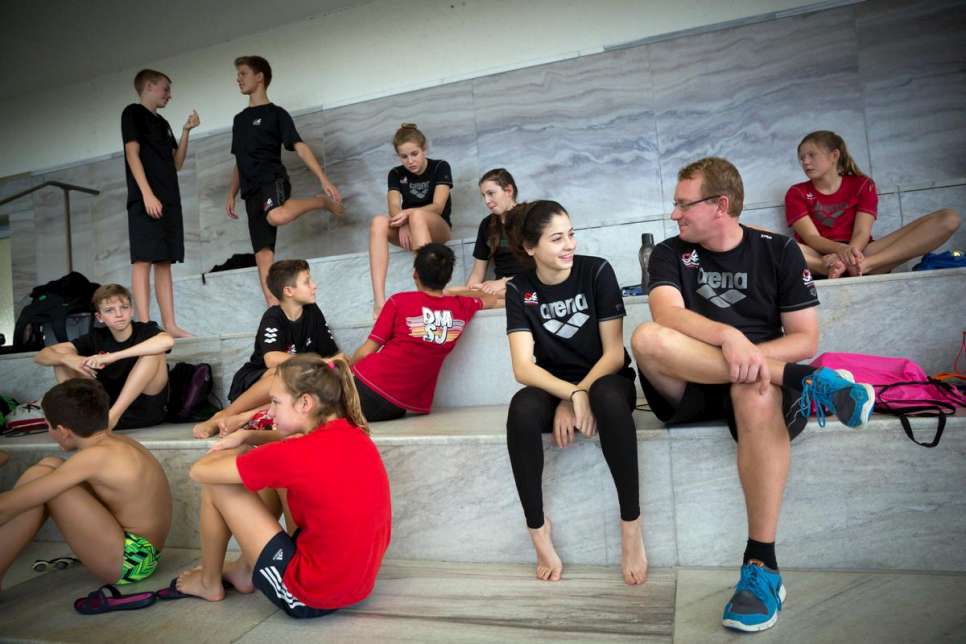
(126, 357)
(733, 309)
(295, 326)
(152, 159)
(257, 136)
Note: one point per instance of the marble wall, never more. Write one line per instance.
(604, 134)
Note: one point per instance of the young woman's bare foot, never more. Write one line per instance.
(238, 575)
(177, 332)
(206, 428)
(336, 208)
(549, 566)
(230, 424)
(190, 583)
(633, 558)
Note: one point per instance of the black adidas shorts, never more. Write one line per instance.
(713, 402)
(269, 572)
(257, 205)
(155, 240)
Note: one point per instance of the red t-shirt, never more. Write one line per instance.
(834, 214)
(417, 331)
(338, 492)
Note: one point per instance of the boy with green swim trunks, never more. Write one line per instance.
(111, 500)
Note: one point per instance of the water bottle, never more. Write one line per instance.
(644, 256)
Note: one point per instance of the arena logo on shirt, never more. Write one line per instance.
(571, 308)
(691, 260)
(271, 334)
(291, 349)
(734, 282)
(257, 122)
(530, 297)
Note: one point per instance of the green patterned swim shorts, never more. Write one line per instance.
(140, 559)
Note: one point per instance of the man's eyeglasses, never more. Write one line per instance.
(686, 205)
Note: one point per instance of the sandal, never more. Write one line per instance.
(100, 601)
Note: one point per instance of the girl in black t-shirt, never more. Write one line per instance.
(499, 192)
(419, 207)
(565, 327)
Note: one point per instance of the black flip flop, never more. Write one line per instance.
(171, 592)
(99, 601)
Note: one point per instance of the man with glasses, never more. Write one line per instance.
(733, 309)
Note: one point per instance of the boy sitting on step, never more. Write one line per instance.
(110, 500)
(397, 367)
(295, 326)
(127, 357)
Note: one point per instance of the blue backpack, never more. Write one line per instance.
(949, 259)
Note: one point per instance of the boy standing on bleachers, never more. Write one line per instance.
(733, 309)
(127, 357)
(294, 326)
(257, 136)
(110, 500)
(152, 158)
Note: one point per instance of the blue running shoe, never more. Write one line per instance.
(836, 392)
(758, 597)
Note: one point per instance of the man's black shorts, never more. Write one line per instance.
(268, 196)
(155, 240)
(713, 402)
(269, 573)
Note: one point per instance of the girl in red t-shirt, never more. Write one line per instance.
(832, 215)
(334, 486)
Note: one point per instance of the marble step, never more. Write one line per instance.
(866, 498)
(916, 315)
(345, 291)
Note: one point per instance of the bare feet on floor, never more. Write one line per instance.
(206, 428)
(633, 558)
(835, 267)
(177, 332)
(549, 566)
(191, 583)
(238, 575)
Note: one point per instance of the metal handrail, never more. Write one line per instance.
(66, 187)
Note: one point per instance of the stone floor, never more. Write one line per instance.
(443, 602)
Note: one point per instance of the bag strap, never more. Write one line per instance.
(923, 410)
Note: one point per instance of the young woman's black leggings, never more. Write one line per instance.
(612, 399)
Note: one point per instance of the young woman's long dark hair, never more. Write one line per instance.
(525, 224)
(497, 228)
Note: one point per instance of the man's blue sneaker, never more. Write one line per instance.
(836, 392)
(758, 597)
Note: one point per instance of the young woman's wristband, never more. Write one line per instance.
(578, 389)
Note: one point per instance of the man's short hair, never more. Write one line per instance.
(284, 273)
(146, 76)
(79, 404)
(434, 265)
(258, 65)
(718, 177)
(109, 291)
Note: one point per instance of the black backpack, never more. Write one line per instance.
(52, 303)
(190, 393)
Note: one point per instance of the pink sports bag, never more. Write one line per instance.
(902, 389)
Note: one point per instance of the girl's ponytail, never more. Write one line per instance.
(351, 404)
(330, 382)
